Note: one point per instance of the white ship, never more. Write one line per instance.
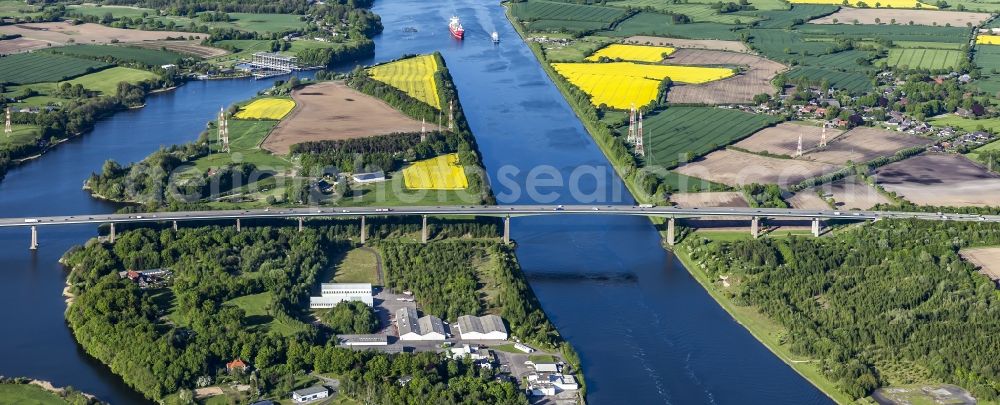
(496, 37)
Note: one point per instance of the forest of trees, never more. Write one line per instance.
(889, 303)
(350, 317)
(189, 330)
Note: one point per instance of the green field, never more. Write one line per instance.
(967, 124)
(913, 33)
(928, 45)
(933, 59)
(696, 130)
(548, 15)
(150, 57)
(355, 266)
(988, 58)
(785, 18)
(787, 46)
(854, 82)
(28, 394)
(260, 315)
(22, 135)
(699, 12)
(661, 25)
(17, 8)
(244, 136)
(39, 67)
(992, 146)
(106, 81)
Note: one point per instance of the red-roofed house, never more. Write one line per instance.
(237, 364)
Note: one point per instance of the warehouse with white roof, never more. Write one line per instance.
(411, 327)
(487, 327)
(332, 294)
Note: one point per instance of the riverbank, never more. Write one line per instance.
(765, 330)
(20, 390)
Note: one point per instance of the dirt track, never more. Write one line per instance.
(331, 110)
(735, 46)
(63, 33)
(919, 17)
(863, 144)
(783, 139)
(940, 179)
(753, 80)
(735, 168)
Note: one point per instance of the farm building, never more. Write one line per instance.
(413, 328)
(365, 178)
(488, 327)
(332, 294)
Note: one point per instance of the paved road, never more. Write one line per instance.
(509, 210)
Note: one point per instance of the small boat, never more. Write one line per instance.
(456, 29)
(495, 37)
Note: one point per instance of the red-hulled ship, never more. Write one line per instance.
(456, 28)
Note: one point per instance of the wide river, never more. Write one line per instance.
(645, 330)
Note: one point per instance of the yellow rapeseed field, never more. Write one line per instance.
(414, 76)
(266, 109)
(437, 173)
(870, 3)
(638, 53)
(987, 39)
(621, 84)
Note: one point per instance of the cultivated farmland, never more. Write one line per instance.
(17, 45)
(322, 107)
(414, 76)
(884, 3)
(933, 59)
(150, 57)
(854, 82)
(266, 109)
(193, 48)
(679, 131)
(709, 199)
(850, 193)
(548, 15)
(783, 139)
(736, 168)
(986, 258)
(63, 33)
(799, 12)
(807, 200)
(988, 39)
(637, 53)
(699, 12)
(43, 67)
(890, 32)
(754, 79)
(106, 81)
(902, 16)
(657, 24)
(621, 84)
(940, 180)
(733, 46)
(863, 144)
(437, 173)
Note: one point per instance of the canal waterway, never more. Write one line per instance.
(646, 331)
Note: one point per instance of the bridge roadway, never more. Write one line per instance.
(506, 211)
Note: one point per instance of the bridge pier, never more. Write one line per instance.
(815, 227)
(34, 238)
(364, 230)
(111, 236)
(423, 230)
(506, 229)
(238, 227)
(301, 225)
(671, 223)
(175, 226)
(755, 227)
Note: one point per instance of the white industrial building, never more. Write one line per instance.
(364, 340)
(411, 327)
(332, 294)
(275, 61)
(487, 327)
(310, 394)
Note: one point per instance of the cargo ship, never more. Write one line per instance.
(456, 28)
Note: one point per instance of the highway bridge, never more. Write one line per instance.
(505, 211)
